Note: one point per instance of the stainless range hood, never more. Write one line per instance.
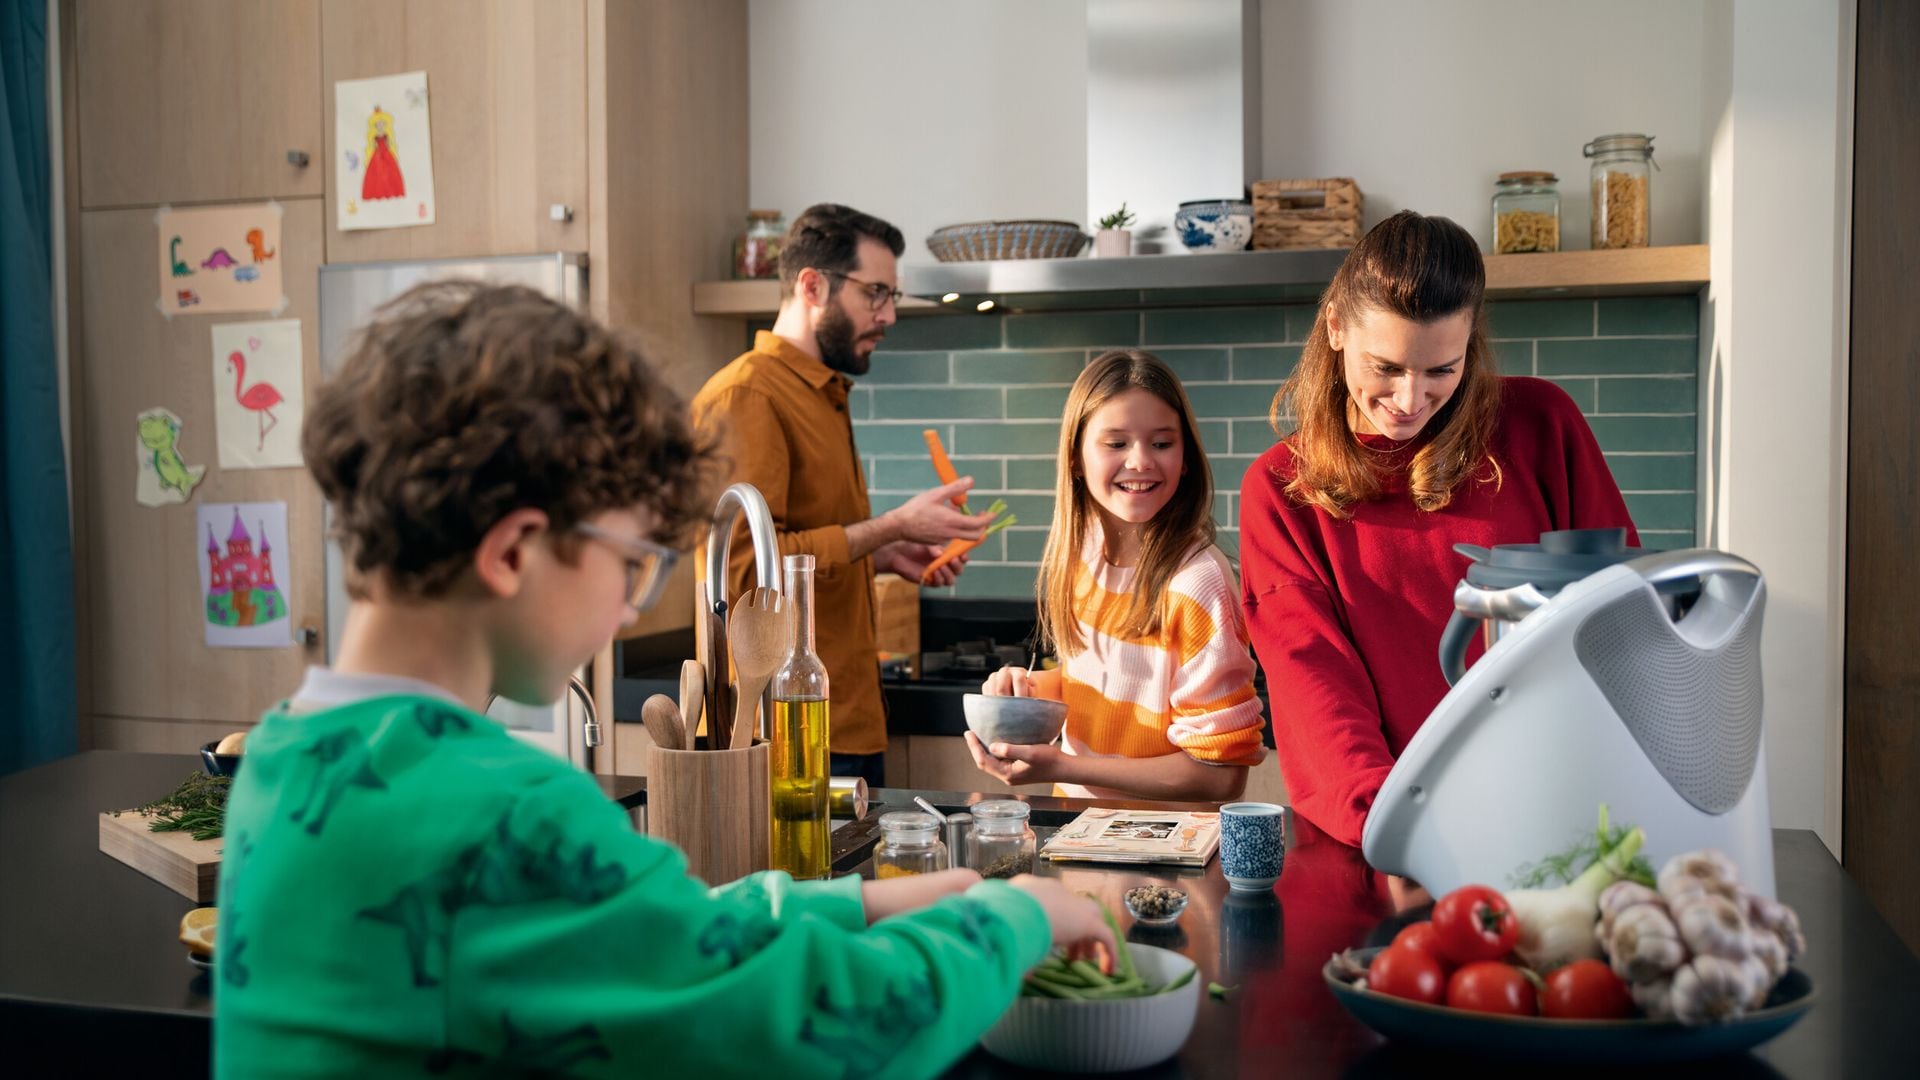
(1139, 280)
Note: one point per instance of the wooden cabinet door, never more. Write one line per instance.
(507, 95)
(196, 100)
(141, 623)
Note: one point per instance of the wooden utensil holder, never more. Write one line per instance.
(713, 805)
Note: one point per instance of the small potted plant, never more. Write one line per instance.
(1114, 238)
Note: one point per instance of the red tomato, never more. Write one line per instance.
(1586, 990)
(1407, 973)
(1492, 987)
(1473, 923)
(1422, 937)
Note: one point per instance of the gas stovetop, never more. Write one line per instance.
(961, 663)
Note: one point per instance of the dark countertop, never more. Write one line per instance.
(91, 975)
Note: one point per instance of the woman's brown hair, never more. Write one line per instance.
(1184, 523)
(1419, 268)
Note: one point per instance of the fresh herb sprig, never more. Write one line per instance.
(197, 807)
(1562, 867)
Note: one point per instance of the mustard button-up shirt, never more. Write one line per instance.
(782, 420)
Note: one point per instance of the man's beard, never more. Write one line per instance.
(836, 341)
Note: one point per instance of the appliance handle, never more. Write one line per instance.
(1472, 604)
(1669, 567)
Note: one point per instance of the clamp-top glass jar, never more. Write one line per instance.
(1526, 213)
(1622, 199)
(756, 251)
(1002, 843)
(909, 844)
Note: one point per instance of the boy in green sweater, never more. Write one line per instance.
(408, 889)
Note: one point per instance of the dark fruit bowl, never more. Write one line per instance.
(219, 764)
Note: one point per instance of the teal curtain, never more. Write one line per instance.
(37, 698)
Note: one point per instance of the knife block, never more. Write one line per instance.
(713, 805)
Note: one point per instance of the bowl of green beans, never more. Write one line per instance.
(1072, 1017)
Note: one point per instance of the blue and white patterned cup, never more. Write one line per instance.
(1253, 844)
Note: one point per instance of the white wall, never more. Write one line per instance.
(1425, 103)
(925, 113)
(1774, 400)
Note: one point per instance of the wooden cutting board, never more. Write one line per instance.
(187, 866)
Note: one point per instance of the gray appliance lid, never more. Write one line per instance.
(1558, 560)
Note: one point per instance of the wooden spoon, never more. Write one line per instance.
(662, 718)
(760, 632)
(693, 696)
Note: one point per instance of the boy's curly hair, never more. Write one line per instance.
(462, 402)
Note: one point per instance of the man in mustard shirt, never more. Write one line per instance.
(780, 410)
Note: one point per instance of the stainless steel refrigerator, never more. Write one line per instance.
(349, 295)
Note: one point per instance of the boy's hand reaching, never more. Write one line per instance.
(895, 895)
(1077, 922)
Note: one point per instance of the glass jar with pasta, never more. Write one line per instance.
(1622, 200)
(1526, 213)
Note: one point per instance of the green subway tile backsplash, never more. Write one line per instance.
(1541, 318)
(1617, 356)
(891, 367)
(995, 387)
(1020, 367)
(1086, 330)
(1215, 326)
(1678, 315)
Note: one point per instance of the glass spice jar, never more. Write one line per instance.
(1526, 213)
(1002, 843)
(1622, 200)
(909, 844)
(756, 251)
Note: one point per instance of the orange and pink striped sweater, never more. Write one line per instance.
(1188, 688)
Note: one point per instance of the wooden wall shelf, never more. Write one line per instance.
(1656, 271)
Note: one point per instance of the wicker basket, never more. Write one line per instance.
(979, 240)
(1305, 214)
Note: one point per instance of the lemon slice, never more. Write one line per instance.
(197, 929)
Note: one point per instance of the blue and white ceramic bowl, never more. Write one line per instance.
(1253, 844)
(1215, 224)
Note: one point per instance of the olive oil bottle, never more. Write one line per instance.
(798, 837)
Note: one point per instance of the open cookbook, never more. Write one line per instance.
(1168, 837)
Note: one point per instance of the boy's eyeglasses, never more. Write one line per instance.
(648, 564)
(878, 294)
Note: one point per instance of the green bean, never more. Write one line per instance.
(1088, 973)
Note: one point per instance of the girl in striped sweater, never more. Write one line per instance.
(1141, 606)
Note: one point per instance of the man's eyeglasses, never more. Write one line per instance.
(878, 294)
(648, 564)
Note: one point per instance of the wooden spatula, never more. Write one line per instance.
(760, 632)
(693, 696)
(662, 718)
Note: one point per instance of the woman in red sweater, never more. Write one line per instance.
(1406, 442)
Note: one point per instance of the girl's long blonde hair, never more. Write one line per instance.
(1420, 268)
(1185, 522)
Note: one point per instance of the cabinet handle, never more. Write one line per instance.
(560, 212)
(308, 636)
(297, 158)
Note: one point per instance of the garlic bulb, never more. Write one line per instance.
(1775, 916)
(1618, 897)
(1706, 870)
(1646, 944)
(1654, 997)
(1769, 950)
(1759, 981)
(1710, 989)
(1712, 925)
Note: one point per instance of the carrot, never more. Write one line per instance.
(957, 548)
(943, 465)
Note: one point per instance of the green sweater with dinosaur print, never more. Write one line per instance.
(407, 889)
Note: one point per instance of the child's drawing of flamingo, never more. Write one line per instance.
(261, 397)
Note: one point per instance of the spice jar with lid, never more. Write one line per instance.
(1526, 213)
(756, 251)
(1002, 843)
(1622, 200)
(909, 844)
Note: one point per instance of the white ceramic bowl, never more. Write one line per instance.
(1116, 1035)
(1021, 720)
